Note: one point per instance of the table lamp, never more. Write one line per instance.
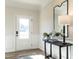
(65, 20)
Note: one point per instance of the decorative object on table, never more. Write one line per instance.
(58, 34)
(52, 35)
(46, 35)
(65, 20)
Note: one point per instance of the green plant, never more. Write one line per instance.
(58, 34)
(54, 34)
(46, 34)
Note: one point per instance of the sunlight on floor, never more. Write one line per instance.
(33, 57)
(37, 57)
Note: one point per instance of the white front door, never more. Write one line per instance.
(23, 37)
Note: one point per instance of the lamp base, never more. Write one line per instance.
(64, 34)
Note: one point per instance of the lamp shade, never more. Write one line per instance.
(66, 19)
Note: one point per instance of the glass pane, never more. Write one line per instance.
(23, 28)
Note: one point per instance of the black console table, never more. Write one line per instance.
(57, 43)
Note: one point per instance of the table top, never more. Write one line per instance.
(58, 43)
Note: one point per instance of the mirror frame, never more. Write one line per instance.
(54, 14)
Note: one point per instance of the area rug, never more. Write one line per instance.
(31, 57)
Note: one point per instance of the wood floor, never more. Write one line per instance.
(13, 55)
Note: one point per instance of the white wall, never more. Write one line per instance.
(10, 27)
(46, 24)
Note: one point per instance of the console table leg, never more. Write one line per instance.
(67, 52)
(45, 48)
(59, 52)
(50, 50)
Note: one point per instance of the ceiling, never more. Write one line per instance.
(19, 3)
(36, 2)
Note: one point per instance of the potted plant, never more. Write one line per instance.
(47, 35)
(58, 34)
(55, 35)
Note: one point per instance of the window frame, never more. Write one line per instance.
(17, 25)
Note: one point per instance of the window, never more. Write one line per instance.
(23, 28)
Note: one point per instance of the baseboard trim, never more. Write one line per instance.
(23, 50)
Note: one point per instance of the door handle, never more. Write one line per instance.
(16, 33)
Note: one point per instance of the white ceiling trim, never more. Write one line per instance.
(31, 4)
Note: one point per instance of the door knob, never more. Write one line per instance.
(16, 33)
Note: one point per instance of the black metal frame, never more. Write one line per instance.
(57, 43)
